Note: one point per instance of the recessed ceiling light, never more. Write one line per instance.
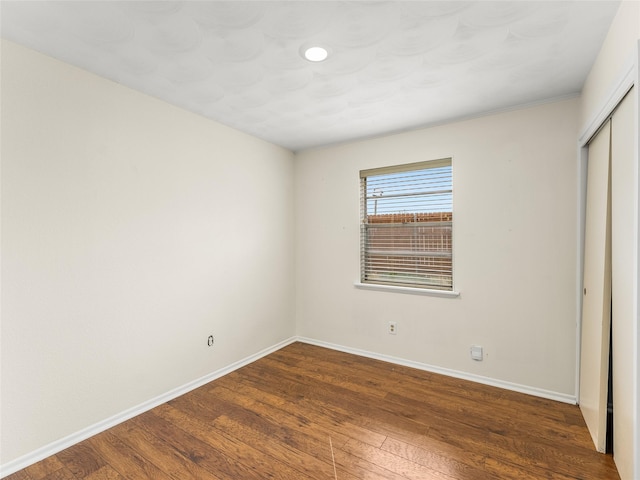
(316, 54)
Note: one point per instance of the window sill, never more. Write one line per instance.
(409, 290)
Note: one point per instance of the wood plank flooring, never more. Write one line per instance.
(304, 410)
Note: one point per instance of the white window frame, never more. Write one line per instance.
(377, 271)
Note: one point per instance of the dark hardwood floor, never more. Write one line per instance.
(305, 412)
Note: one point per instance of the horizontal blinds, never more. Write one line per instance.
(406, 231)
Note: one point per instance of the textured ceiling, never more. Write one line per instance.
(393, 65)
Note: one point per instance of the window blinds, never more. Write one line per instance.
(406, 225)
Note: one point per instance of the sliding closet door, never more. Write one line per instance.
(623, 281)
(596, 304)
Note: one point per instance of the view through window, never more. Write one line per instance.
(406, 225)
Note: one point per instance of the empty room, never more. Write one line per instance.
(319, 240)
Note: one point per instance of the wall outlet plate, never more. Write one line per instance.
(476, 353)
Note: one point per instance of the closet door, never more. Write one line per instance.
(624, 177)
(596, 302)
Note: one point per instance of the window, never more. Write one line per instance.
(406, 225)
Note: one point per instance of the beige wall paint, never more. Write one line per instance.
(131, 230)
(616, 55)
(515, 217)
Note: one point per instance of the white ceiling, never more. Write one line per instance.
(394, 65)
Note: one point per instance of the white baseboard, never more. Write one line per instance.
(66, 442)
(59, 445)
(538, 392)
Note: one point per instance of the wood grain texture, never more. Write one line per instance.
(273, 419)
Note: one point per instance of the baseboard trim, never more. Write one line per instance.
(538, 392)
(66, 442)
(59, 445)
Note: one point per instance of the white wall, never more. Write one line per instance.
(616, 56)
(515, 224)
(131, 230)
(614, 68)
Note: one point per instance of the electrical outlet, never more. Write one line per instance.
(476, 353)
(210, 341)
(392, 328)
